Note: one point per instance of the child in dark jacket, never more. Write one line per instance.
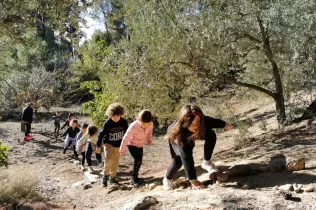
(71, 134)
(57, 118)
(67, 123)
(191, 125)
(111, 136)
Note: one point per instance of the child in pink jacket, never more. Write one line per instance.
(137, 135)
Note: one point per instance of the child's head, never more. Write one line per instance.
(92, 130)
(74, 123)
(84, 127)
(145, 118)
(32, 105)
(115, 111)
(71, 116)
(190, 118)
(58, 113)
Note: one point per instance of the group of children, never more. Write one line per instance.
(114, 137)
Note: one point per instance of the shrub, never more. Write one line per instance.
(18, 184)
(3, 155)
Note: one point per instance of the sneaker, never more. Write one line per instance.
(135, 181)
(105, 181)
(209, 166)
(168, 184)
(113, 181)
(30, 137)
(82, 167)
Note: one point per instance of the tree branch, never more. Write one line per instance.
(252, 86)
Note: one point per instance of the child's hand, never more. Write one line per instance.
(98, 150)
(122, 153)
(227, 127)
(149, 142)
(196, 185)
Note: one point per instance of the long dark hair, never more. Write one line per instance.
(184, 120)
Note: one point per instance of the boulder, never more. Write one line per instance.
(297, 187)
(309, 188)
(296, 165)
(238, 170)
(141, 203)
(286, 187)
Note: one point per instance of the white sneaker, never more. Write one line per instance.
(82, 167)
(168, 184)
(209, 166)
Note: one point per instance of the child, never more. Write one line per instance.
(138, 133)
(91, 145)
(67, 123)
(82, 138)
(26, 120)
(111, 136)
(57, 118)
(191, 125)
(71, 133)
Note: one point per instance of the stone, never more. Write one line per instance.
(309, 188)
(296, 165)
(204, 177)
(255, 171)
(275, 167)
(87, 186)
(212, 176)
(286, 187)
(245, 187)
(239, 170)
(221, 176)
(153, 185)
(89, 178)
(297, 187)
(141, 203)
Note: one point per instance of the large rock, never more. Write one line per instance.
(140, 204)
(89, 178)
(238, 170)
(296, 165)
(277, 163)
(286, 187)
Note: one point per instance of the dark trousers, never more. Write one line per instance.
(176, 163)
(27, 128)
(57, 127)
(73, 147)
(137, 154)
(83, 156)
(88, 154)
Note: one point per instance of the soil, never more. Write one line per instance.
(61, 178)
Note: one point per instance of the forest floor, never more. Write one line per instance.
(60, 179)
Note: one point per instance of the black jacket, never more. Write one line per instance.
(185, 151)
(112, 132)
(27, 114)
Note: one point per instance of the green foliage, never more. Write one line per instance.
(3, 154)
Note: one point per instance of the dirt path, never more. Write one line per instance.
(58, 173)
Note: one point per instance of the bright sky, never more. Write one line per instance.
(92, 25)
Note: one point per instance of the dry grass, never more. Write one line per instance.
(18, 184)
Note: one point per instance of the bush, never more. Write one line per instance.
(18, 184)
(3, 154)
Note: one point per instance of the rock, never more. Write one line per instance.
(255, 171)
(212, 176)
(90, 178)
(153, 185)
(245, 187)
(286, 187)
(113, 188)
(87, 186)
(264, 168)
(309, 188)
(239, 170)
(277, 163)
(125, 187)
(221, 176)
(297, 187)
(296, 165)
(275, 167)
(140, 204)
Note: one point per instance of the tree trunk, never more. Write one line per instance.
(279, 94)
